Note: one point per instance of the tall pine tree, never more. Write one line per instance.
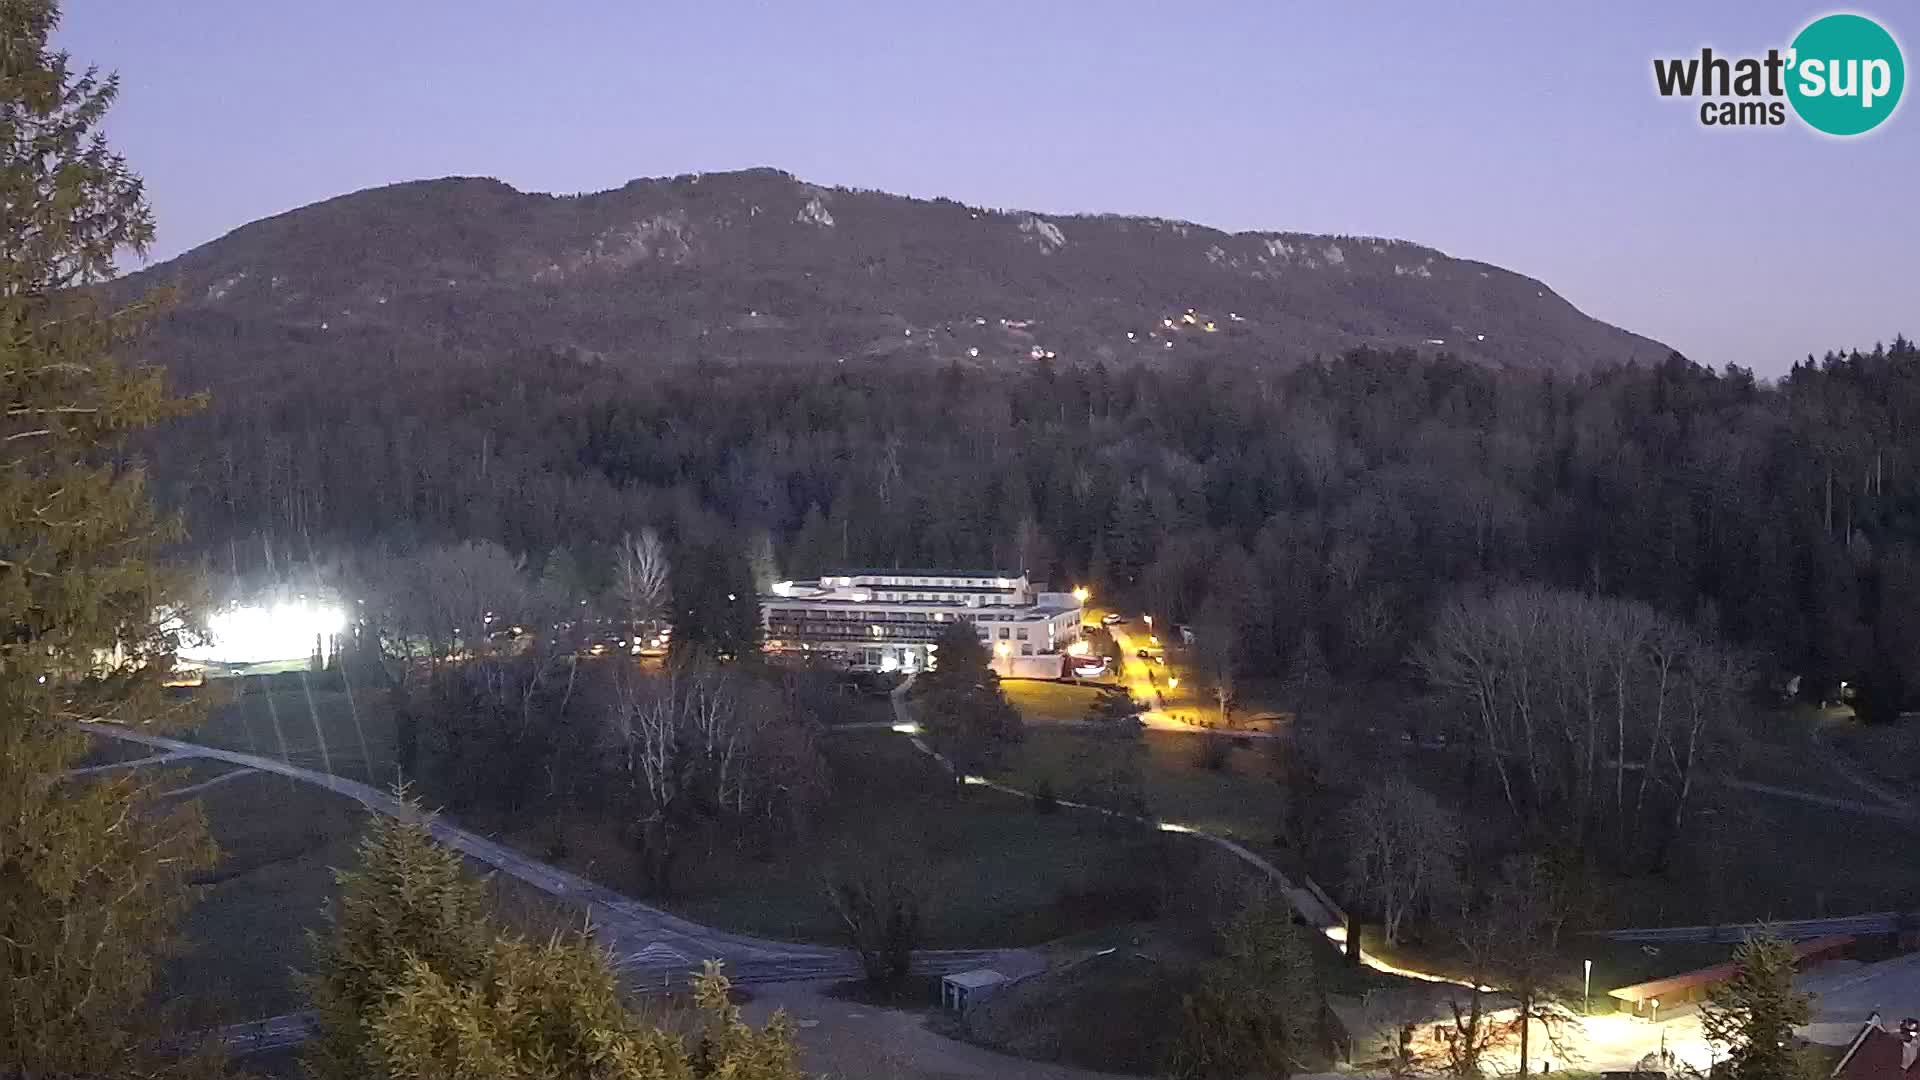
(1753, 1014)
(93, 873)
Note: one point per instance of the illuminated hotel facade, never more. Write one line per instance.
(886, 620)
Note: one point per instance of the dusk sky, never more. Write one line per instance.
(1527, 135)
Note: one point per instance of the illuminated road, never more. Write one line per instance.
(1149, 682)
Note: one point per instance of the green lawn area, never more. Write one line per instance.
(1118, 1013)
(1241, 799)
(321, 721)
(1783, 859)
(279, 841)
(860, 709)
(1778, 749)
(1001, 873)
(1042, 702)
(1888, 753)
(1746, 855)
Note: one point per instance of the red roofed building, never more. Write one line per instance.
(1665, 997)
(1879, 1054)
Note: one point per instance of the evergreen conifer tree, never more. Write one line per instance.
(94, 872)
(1753, 1014)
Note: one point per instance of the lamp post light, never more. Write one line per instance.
(1586, 994)
(1655, 1017)
(1082, 594)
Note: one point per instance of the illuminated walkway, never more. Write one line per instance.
(1610, 1041)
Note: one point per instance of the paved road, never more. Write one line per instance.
(1147, 681)
(651, 947)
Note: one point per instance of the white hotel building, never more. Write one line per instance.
(884, 620)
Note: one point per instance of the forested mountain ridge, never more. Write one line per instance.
(1344, 501)
(760, 266)
(435, 362)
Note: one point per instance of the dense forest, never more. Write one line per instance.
(1338, 503)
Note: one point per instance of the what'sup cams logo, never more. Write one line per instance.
(1842, 76)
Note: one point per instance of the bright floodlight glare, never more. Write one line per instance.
(258, 635)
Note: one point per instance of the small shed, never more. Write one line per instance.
(959, 992)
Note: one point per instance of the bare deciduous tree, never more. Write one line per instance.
(642, 577)
(705, 742)
(1215, 653)
(1593, 712)
(1403, 850)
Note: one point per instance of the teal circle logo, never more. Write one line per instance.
(1845, 74)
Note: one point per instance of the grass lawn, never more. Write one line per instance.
(1001, 873)
(1778, 858)
(1119, 1012)
(1043, 702)
(1889, 753)
(1114, 1013)
(279, 842)
(320, 722)
(860, 709)
(1746, 855)
(1242, 799)
(1778, 750)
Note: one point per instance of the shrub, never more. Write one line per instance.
(1215, 752)
(1044, 799)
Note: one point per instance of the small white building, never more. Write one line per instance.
(886, 620)
(960, 992)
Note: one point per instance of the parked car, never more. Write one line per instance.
(1112, 618)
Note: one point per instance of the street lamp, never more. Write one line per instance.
(1586, 994)
(1173, 682)
(1082, 594)
(1002, 649)
(1656, 1015)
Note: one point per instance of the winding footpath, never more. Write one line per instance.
(651, 948)
(1314, 906)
